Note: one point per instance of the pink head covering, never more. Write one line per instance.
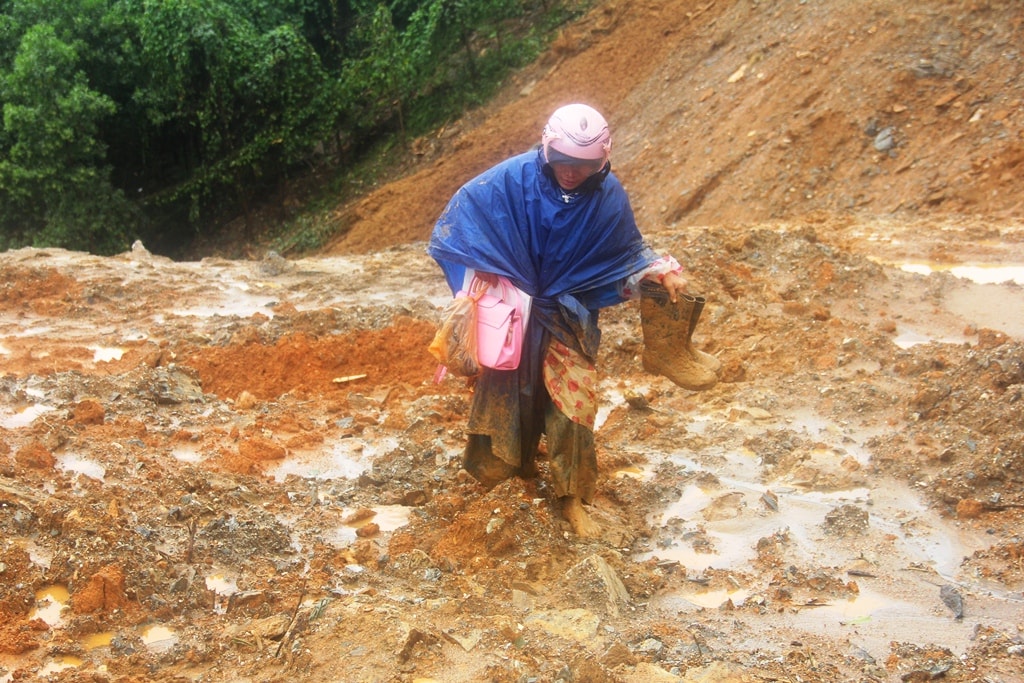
(578, 131)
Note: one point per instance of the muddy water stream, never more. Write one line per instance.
(908, 549)
(51, 601)
(899, 562)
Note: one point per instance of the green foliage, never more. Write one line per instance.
(54, 187)
(161, 119)
(377, 76)
(244, 103)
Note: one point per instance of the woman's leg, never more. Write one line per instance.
(572, 455)
(573, 469)
(506, 419)
(480, 461)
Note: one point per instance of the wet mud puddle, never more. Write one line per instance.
(984, 295)
(822, 522)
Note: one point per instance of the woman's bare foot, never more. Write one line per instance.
(582, 524)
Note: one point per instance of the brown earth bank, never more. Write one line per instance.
(731, 113)
(243, 470)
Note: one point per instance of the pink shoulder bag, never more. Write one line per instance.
(502, 312)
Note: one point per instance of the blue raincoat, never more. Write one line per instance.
(569, 250)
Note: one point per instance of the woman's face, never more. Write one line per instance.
(571, 176)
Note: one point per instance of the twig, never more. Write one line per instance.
(990, 507)
(191, 526)
(696, 641)
(291, 622)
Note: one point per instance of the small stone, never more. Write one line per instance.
(953, 600)
(651, 647)
(88, 412)
(358, 515)
(969, 509)
(884, 141)
(368, 530)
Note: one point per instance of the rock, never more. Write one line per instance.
(575, 624)
(88, 411)
(270, 628)
(717, 672)
(968, 508)
(585, 668)
(170, 386)
(925, 400)
(258, 448)
(414, 498)
(104, 592)
(650, 673)
(35, 455)
(726, 506)
(244, 600)
(368, 530)
(521, 600)
(358, 515)
(748, 413)
(246, 401)
(415, 637)
(953, 600)
(466, 642)
(846, 520)
(273, 264)
(600, 586)
(636, 400)
(618, 654)
(884, 141)
(652, 648)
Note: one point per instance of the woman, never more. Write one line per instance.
(558, 224)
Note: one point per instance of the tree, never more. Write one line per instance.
(54, 184)
(377, 77)
(237, 103)
(164, 118)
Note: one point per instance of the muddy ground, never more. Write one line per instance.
(241, 469)
(252, 459)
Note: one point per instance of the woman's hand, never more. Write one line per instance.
(489, 280)
(674, 284)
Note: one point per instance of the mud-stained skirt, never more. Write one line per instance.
(511, 410)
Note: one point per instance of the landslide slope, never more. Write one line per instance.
(727, 113)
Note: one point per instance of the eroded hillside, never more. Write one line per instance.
(731, 113)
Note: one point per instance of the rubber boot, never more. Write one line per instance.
(706, 359)
(667, 348)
